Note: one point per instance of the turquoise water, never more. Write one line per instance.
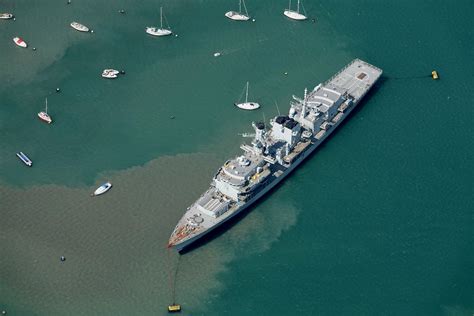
(387, 228)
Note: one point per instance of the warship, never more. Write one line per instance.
(275, 152)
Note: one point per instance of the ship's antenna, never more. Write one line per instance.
(276, 104)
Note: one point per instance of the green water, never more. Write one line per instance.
(378, 222)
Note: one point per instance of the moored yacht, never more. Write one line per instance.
(247, 105)
(110, 73)
(295, 15)
(155, 31)
(79, 27)
(44, 116)
(239, 16)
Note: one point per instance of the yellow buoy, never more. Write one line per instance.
(175, 308)
(434, 75)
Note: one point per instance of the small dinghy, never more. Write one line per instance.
(79, 27)
(20, 42)
(6, 16)
(110, 73)
(24, 158)
(102, 189)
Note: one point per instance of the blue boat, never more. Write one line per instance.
(24, 158)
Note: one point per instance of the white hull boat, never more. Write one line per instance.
(44, 116)
(6, 16)
(239, 16)
(294, 15)
(110, 73)
(24, 158)
(236, 16)
(102, 189)
(20, 42)
(159, 31)
(247, 105)
(79, 27)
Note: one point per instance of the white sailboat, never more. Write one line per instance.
(159, 31)
(295, 15)
(247, 105)
(44, 116)
(239, 16)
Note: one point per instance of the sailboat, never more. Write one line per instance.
(247, 105)
(44, 116)
(159, 31)
(295, 15)
(239, 16)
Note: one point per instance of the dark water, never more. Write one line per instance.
(378, 222)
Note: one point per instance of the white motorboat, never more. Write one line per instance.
(24, 158)
(217, 54)
(155, 31)
(110, 73)
(102, 189)
(44, 116)
(239, 16)
(6, 16)
(295, 15)
(20, 42)
(247, 105)
(80, 27)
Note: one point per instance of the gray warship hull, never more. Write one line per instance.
(348, 84)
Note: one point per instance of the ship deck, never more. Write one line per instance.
(356, 78)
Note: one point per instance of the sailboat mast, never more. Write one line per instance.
(46, 110)
(240, 6)
(289, 5)
(247, 92)
(161, 17)
(245, 8)
(298, 7)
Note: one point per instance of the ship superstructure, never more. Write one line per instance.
(275, 151)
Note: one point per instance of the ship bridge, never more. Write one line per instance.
(236, 172)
